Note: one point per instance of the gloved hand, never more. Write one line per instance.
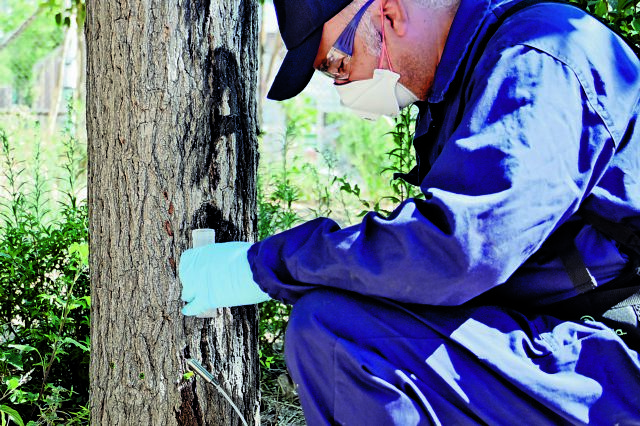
(216, 276)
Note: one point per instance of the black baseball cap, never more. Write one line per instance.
(300, 23)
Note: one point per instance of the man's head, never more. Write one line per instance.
(414, 35)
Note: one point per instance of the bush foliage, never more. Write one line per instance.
(44, 296)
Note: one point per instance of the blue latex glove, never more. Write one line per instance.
(216, 276)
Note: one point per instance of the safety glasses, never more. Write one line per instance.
(337, 64)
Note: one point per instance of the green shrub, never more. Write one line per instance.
(44, 295)
(620, 15)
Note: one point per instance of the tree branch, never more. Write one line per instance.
(20, 29)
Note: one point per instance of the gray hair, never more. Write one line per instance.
(372, 37)
(437, 4)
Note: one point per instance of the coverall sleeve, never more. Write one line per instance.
(529, 148)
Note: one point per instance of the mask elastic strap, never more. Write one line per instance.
(385, 52)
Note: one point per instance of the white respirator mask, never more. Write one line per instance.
(380, 95)
(377, 96)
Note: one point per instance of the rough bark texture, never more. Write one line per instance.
(171, 120)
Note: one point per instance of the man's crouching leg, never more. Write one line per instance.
(333, 351)
(367, 361)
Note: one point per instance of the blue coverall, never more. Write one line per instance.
(384, 329)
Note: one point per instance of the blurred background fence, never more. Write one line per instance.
(41, 57)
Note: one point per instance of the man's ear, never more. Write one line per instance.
(395, 14)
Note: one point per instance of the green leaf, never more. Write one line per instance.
(87, 300)
(12, 358)
(624, 4)
(75, 343)
(82, 250)
(602, 8)
(13, 414)
(13, 383)
(636, 24)
(23, 348)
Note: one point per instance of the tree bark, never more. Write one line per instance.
(171, 119)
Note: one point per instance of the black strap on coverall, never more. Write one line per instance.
(615, 303)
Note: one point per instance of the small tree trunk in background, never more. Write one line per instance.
(171, 118)
(82, 64)
(58, 88)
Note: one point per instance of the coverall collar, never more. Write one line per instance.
(470, 21)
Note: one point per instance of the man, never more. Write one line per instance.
(467, 307)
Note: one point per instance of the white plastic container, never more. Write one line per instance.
(202, 237)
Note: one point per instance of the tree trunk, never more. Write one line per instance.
(171, 119)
